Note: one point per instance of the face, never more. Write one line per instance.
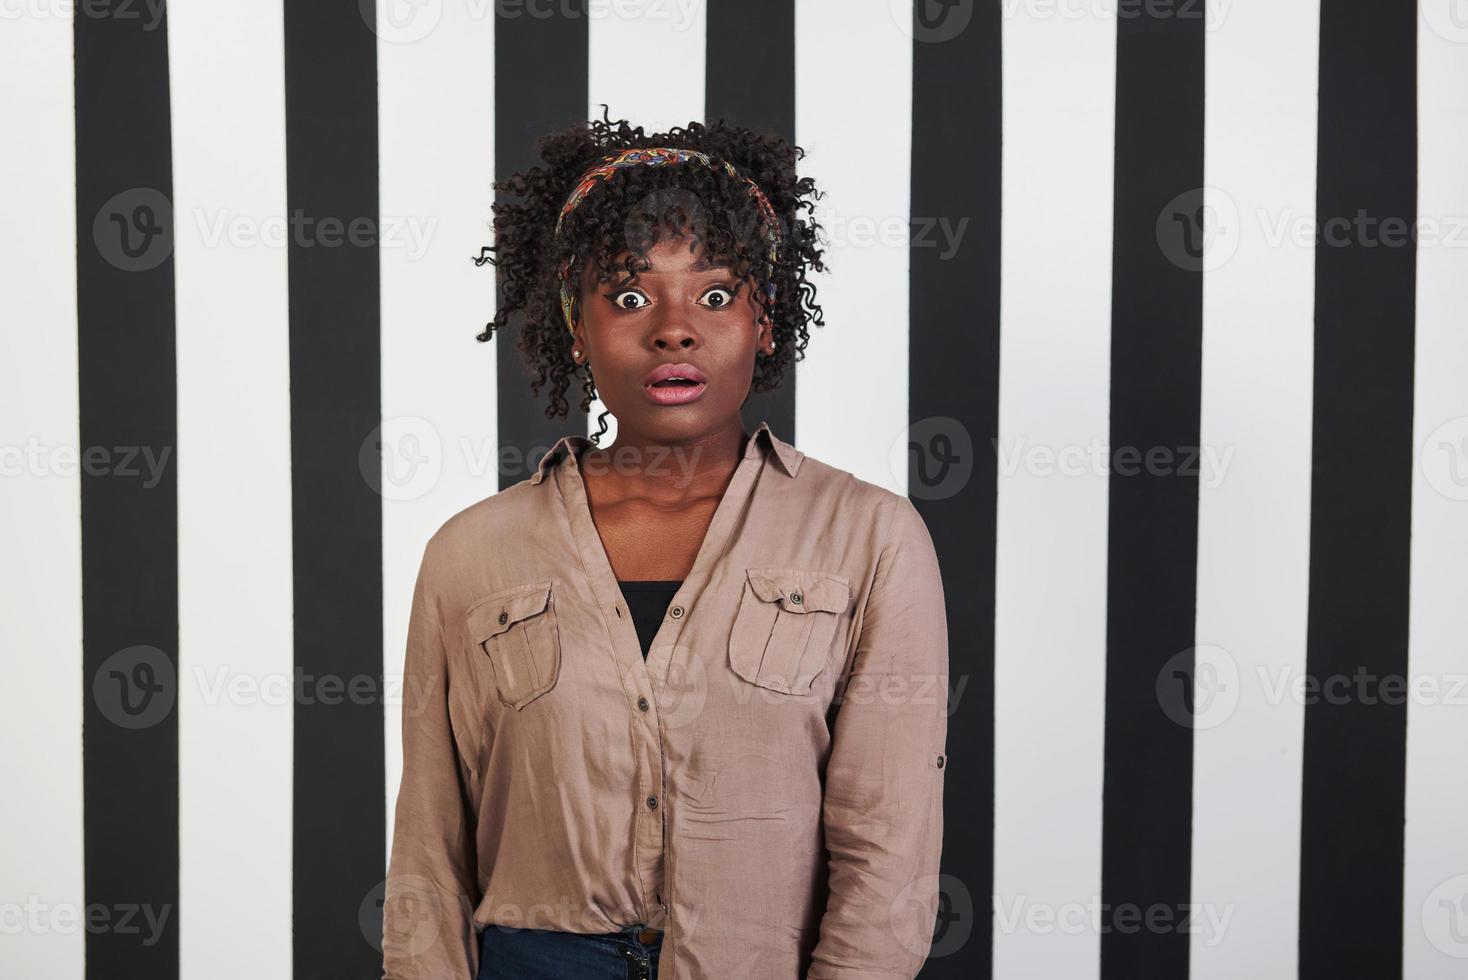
(682, 310)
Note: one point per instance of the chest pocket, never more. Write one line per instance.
(516, 629)
(784, 629)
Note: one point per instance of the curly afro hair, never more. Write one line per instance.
(629, 213)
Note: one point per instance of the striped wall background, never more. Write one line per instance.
(1158, 311)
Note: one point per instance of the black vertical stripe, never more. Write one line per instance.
(750, 68)
(1353, 803)
(541, 86)
(953, 411)
(339, 819)
(129, 506)
(1156, 362)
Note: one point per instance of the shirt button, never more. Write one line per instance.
(940, 762)
(504, 618)
(796, 597)
(676, 612)
(652, 802)
(642, 704)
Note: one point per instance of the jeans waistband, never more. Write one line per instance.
(646, 935)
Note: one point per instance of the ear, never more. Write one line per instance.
(764, 332)
(762, 312)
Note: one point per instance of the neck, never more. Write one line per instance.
(645, 465)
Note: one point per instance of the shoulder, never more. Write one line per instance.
(893, 513)
(497, 522)
(878, 534)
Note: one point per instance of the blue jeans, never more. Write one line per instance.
(506, 953)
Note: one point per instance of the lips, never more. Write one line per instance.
(674, 372)
(674, 384)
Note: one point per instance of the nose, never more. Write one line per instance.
(673, 331)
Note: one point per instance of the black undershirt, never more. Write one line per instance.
(647, 601)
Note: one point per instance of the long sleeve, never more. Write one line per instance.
(883, 803)
(428, 931)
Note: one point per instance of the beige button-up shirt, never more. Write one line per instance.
(766, 787)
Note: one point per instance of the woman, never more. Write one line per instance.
(677, 705)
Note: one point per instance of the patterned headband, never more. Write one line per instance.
(657, 156)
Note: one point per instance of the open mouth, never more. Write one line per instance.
(674, 384)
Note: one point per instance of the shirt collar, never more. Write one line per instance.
(785, 454)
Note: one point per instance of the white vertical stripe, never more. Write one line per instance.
(234, 508)
(436, 90)
(1054, 417)
(646, 62)
(853, 115)
(41, 890)
(665, 46)
(1254, 487)
(1435, 904)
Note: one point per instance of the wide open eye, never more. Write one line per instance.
(718, 297)
(634, 299)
